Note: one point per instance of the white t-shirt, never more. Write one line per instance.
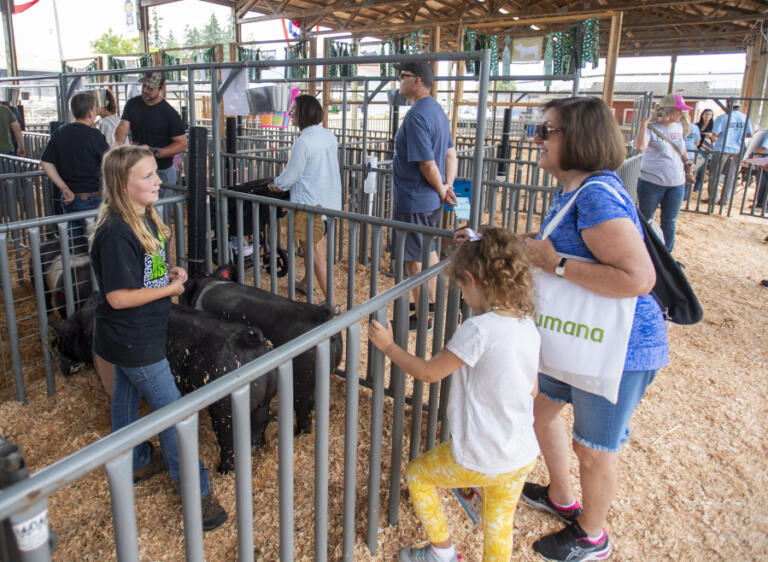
(490, 409)
(107, 126)
(662, 164)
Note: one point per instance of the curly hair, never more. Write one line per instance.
(499, 264)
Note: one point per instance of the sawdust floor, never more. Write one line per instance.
(692, 483)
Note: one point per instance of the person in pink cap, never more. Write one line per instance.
(665, 163)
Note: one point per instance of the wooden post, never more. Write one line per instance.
(613, 54)
(459, 89)
(326, 88)
(751, 70)
(313, 68)
(672, 65)
(435, 49)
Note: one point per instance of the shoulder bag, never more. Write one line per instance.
(584, 335)
(673, 292)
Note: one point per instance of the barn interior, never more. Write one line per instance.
(694, 460)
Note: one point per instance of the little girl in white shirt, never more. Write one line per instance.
(494, 357)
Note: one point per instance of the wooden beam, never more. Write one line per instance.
(614, 41)
(313, 68)
(750, 72)
(701, 21)
(244, 8)
(435, 49)
(672, 65)
(459, 93)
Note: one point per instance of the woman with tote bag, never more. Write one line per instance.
(591, 242)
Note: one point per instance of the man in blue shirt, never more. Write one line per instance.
(424, 165)
(728, 151)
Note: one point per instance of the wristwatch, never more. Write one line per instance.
(560, 268)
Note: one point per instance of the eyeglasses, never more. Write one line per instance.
(404, 75)
(543, 130)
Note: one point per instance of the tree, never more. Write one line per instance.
(155, 29)
(111, 44)
(191, 36)
(212, 32)
(170, 41)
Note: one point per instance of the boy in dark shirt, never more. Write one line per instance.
(72, 161)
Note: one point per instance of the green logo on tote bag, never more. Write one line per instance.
(569, 328)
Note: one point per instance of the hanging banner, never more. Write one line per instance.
(130, 14)
(19, 8)
(526, 49)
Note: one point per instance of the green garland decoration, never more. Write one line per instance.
(297, 51)
(333, 69)
(590, 46)
(470, 38)
(549, 57)
(168, 60)
(209, 55)
(243, 55)
(115, 63)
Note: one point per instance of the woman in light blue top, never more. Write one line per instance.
(312, 175)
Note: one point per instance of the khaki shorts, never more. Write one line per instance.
(300, 227)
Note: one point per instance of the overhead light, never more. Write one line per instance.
(503, 11)
(535, 27)
(515, 18)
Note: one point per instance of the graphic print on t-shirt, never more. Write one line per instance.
(155, 269)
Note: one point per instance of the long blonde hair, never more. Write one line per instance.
(115, 169)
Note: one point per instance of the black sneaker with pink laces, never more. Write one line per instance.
(573, 545)
(537, 496)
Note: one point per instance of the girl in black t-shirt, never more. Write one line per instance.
(135, 287)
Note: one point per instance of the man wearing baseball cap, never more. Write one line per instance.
(424, 164)
(155, 125)
(727, 151)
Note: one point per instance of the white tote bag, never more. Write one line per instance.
(584, 335)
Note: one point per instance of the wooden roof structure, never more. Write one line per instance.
(650, 27)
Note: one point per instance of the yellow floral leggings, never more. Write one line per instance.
(438, 469)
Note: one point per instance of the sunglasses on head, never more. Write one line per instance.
(543, 130)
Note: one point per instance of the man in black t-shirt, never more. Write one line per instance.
(155, 125)
(72, 161)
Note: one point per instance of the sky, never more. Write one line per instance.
(82, 21)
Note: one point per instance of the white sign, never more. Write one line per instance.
(32, 533)
(235, 98)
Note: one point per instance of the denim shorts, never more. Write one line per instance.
(597, 423)
(413, 240)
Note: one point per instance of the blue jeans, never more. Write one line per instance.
(649, 195)
(77, 227)
(167, 176)
(597, 423)
(155, 383)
